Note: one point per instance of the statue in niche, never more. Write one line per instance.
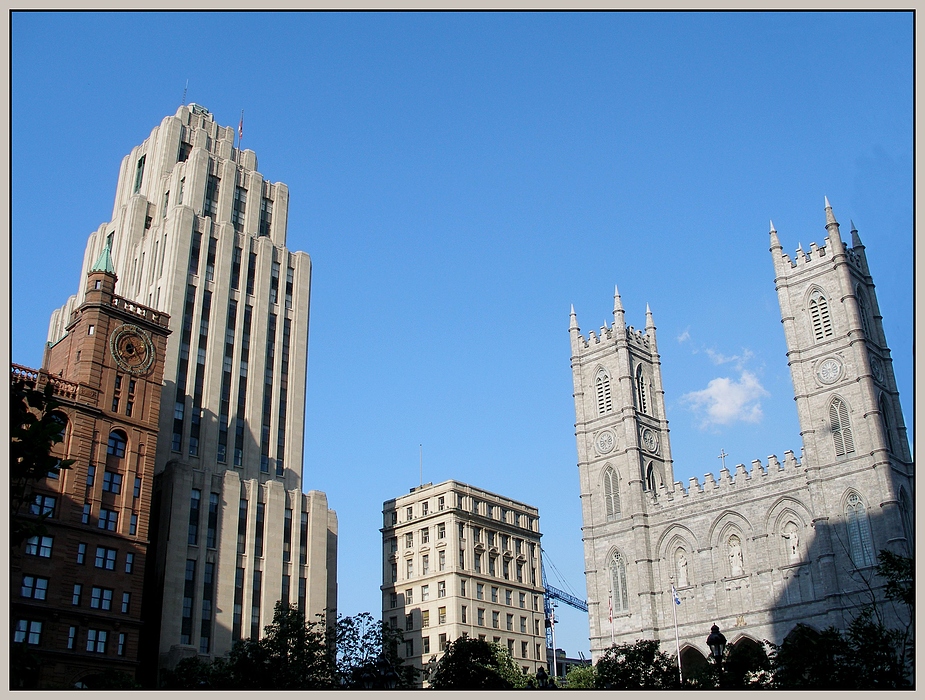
(682, 569)
(736, 567)
(792, 535)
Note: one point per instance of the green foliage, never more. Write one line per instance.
(581, 677)
(475, 664)
(34, 430)
(745, 666)
(639, 665)
(899, 572)
(297, 655)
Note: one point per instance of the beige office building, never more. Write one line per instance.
(197, 232)
(460, 561)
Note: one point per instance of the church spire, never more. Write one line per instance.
(832, 226)
(855, 238)
(650, 324)
(573, 320)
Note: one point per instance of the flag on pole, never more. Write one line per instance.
(674, 594)
(241, 126)
(610, 605)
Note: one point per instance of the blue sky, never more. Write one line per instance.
(459, 180)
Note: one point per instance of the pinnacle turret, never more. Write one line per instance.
(855, 238)
(832, 226)
(104, 262)
(573, 320)
(649, 322)
(775, 241)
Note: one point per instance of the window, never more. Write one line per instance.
(494, 594)
(105, 558)
(266, 216)
(193, 530)
(409, 647)
(441, 531)
(409, 539)
(28, 631)
(213, 523)
(536, 602)
(425, 535)
(441, 616)
(43, 506)
(126, 602)
(477, 562)
(393, 600)
(642, 402)
(462, 615)
(495, 619)
(441, 560)
(71, 636)
(425, 565)
(860, 541)
(39, 546)
(116, 446)
(425, 506)
(129, 562)
(443, 642)
(462, 587)
(85, 515)
(139, 176)
(425, 593)
(120, 649)
(108, 519)
(75, 596)
(101, 598)
(409, 513)
(133, 524)
(611, 494)
(34, 587)
(394, 572)
(618, 593)
(238, 207)
(393, 545)
(480, 613)
(441, 589)
(211, 200)
(819, 316)
(602, 387)
(136, 490)
(409, 568)
(480, 591)
(863, 313)
(91, 474)
(425, 645)
(425, 618)
(508, 597)
(441, 503)
(96, 641)
(523, 649)
(509, 621)
(81, 552)
(510, 647)
(409, 622)
(841, 427)
(393, 622)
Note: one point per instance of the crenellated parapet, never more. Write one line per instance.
(742, 478)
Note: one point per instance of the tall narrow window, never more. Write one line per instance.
(238, 208)
(210, 205)
(618, 594)
(139, 175)
(213, 520)
(841, 427)
(650, 477)
(235, 267)
(864, 313)
(210, 258)
(238, 603)
(887, 422)
(186, 621)
(193, 533)
(205, 627)
(642, 400)
(255, 605)
(116, 446)
(611, 494)
(860, 541)
(258, 530)
(251, 272)
(604, 398)
(224, 406)
(819, 316)
(242, 523)
(266, 217)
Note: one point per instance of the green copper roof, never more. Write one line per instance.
(104, 263)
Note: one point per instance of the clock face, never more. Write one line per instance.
(132, 349)
(650, 440)
(877, 369)
(829, 371)
(605, 441)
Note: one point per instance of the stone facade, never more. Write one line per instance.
(77, 591)
(461, 561)
(765, 547)
(198, 232)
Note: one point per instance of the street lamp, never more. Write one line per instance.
(542, 678)
(717, 643)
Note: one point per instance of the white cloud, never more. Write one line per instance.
(727, 401)
(684, 336)
(739, 360)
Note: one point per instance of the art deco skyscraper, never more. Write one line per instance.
(197, 232)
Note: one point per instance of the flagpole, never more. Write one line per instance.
(610, 605)
(677, 640)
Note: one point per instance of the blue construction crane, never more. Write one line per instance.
(553, 593)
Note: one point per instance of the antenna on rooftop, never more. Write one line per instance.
(183, 101)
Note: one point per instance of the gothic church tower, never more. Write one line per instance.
(623, 457)
(760, 549)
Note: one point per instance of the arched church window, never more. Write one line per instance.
(819, 315)
(887, 422)
(642, 402)
(650, 477)
(611, 494)
(863, 312)
(618, 595)
(860, 541)
(841, 427)
(604, 399)
(905, 509)
(117, 441)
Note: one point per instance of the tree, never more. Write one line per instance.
(639, 665)
(581, 677)
(35, 428)
(811, 660)
(364, 647)
(475, 664)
